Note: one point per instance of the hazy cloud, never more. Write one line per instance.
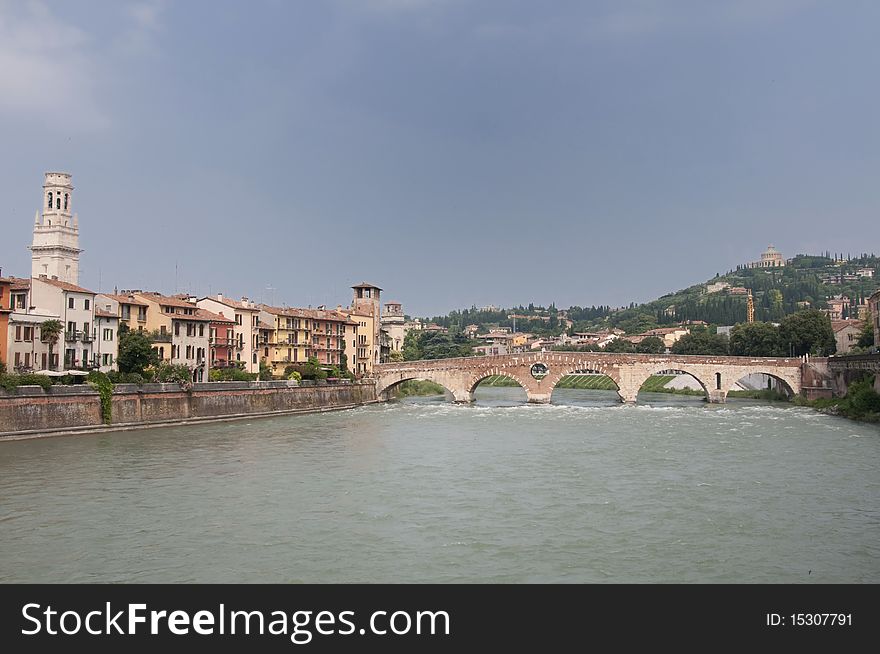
(45, 69)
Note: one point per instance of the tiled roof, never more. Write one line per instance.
(165, 300)
(229, 302)
(201, 314)
(838, 325)
(64, 286)
(126, 299)
(100, 313)
(366, 285)
(19, 283)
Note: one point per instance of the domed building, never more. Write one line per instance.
(770, 258)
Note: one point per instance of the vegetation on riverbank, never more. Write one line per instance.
(414, 387)
(861, 403)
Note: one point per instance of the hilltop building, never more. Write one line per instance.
(770, 258)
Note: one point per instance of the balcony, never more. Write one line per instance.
(87, 338)
(222, 342)
(72, 337)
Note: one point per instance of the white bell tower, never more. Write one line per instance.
(55, 248)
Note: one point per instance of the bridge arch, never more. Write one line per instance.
(630, 393)
(386, 391)
(584, 368)
(784, 384)
(477, 379)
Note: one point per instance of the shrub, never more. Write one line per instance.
(104, 386)
(230, 374)
(10, 382)
(125, 377)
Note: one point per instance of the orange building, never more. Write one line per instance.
(5, 310)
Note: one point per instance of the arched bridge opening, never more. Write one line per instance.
(499, 388)
(666, 382)
(585, 384)
(762, 386)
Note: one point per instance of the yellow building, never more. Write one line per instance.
(132, 311)
(364, 351)
(359, 343)
(299, 334)
(289, 339)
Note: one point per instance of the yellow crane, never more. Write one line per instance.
(750, 309)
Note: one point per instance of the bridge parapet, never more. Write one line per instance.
(716, 374)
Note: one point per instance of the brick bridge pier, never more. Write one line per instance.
(539, 372)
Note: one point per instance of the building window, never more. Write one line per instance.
(28, 334)
(17, 334)
(70, 303)
(66, 198)
(86, 304)
(176, 328)
(108, 334)
(201, 330)
(126, 312)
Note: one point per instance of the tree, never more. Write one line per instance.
(135, 352)
(651, 345)
(436, 345)
(395, 355)
(701, 343)
(866, 338)
(756, 339)
(50, 331)
(620, 345)
(807, 332)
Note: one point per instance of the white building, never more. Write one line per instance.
(106, 335)
(55, 247)
(394, 324)
(75, 307)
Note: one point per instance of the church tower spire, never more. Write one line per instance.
(55, 248)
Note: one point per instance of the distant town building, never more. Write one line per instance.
(491, 349)
(874, 306)
(770, 258)
(394, 325)
(716, 287)
(846, 334)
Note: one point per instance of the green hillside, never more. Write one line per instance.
(806, 281)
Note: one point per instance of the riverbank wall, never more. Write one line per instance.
(29, 411)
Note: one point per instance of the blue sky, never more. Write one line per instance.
(452, 152)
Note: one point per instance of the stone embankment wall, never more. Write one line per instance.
(29, 410)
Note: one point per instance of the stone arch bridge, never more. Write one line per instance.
(460, 376)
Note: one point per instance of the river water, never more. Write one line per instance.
(419, 490)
